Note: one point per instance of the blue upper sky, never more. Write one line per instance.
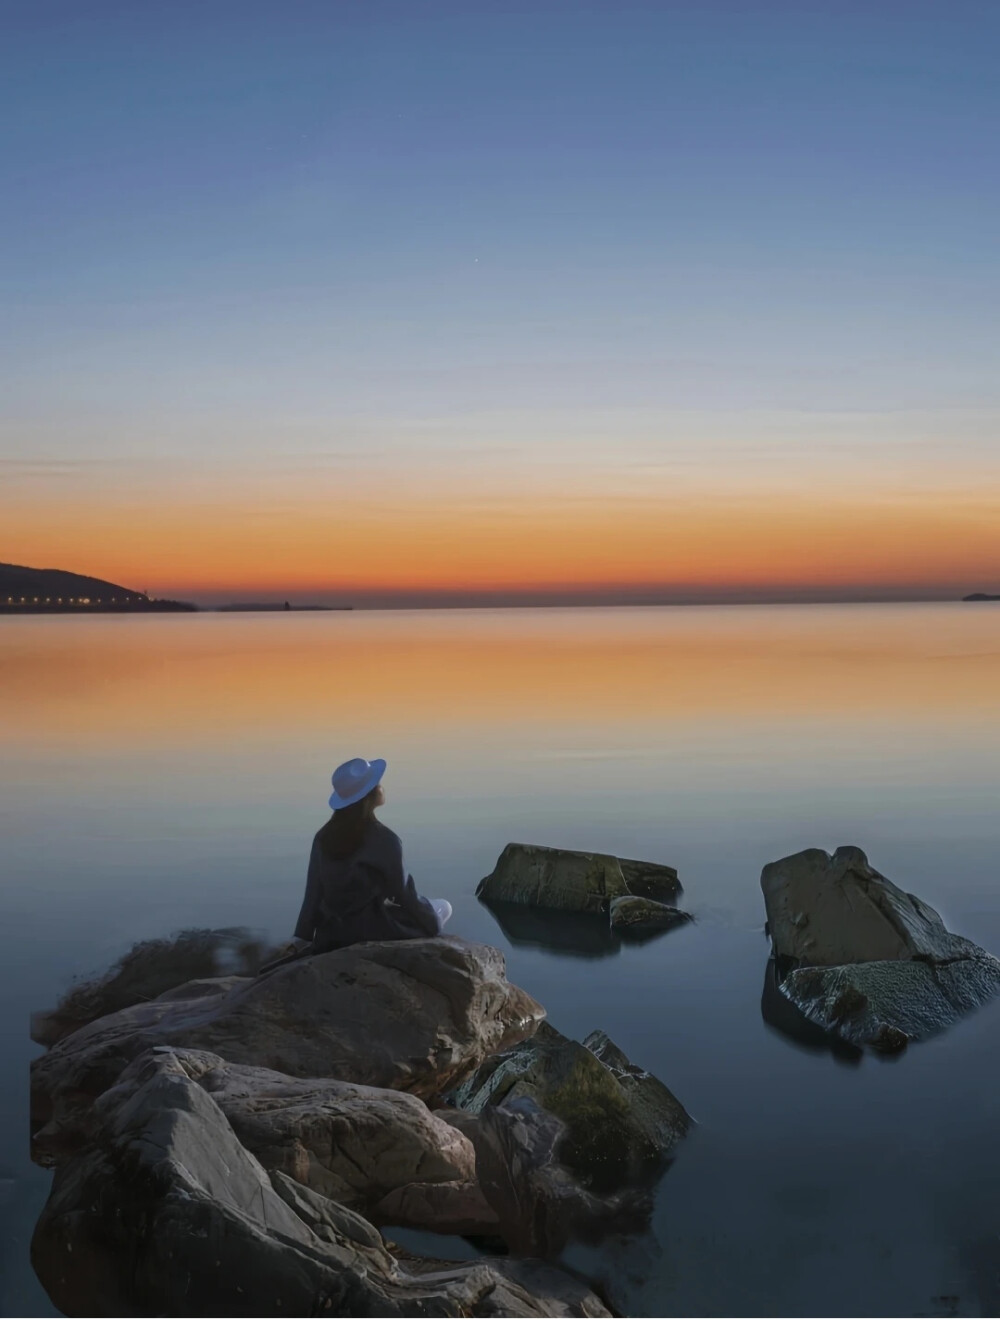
(197, 189)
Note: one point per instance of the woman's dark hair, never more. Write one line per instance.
(343, 832)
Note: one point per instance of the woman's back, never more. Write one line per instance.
(363, 895)
(351, 882)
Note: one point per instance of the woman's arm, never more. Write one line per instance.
(305, 927)
(401, 890)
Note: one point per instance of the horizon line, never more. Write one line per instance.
(562, 600)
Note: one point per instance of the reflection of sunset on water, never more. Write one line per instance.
(187, 680)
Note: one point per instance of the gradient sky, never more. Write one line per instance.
(396, 300)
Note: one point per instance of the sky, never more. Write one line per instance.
(430, 302)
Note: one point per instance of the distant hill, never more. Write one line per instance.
(53, 590)
(980, 595)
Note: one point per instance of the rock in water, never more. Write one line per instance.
(629, 914)
(166, 1214)
(573, 881)
(622, 1123)
(864, 959)
(824, 911)
(411, 1015)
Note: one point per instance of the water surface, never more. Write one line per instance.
(161, 772)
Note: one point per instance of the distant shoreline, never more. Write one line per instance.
(269, 609)
(147, 607)
(182, 607)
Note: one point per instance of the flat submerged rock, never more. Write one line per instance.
(640, 915)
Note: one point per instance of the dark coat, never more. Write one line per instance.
(366, 896)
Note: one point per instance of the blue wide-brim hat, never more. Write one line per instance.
(354, 780)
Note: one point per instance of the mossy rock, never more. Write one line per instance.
(622, 1123)
(560, 878)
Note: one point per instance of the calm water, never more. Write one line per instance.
(165, 772)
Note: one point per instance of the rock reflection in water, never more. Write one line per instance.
(781, 1014)
(566, 934)
(572, 934)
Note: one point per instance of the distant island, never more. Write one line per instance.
(54, 591)
(980, 595)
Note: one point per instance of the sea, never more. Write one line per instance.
(164, 772)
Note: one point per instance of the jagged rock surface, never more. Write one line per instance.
(166, 1213)
(573, 881)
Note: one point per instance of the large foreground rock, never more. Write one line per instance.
(573, 881)
(411, 1015)
(166, 1213)
(862, 958)
(621, 1123)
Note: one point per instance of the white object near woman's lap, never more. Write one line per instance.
(443, 909)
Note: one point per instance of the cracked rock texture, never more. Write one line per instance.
(354, 1144)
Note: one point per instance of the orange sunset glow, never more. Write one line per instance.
(921, 544)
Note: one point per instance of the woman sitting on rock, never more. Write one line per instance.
(357, 887)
